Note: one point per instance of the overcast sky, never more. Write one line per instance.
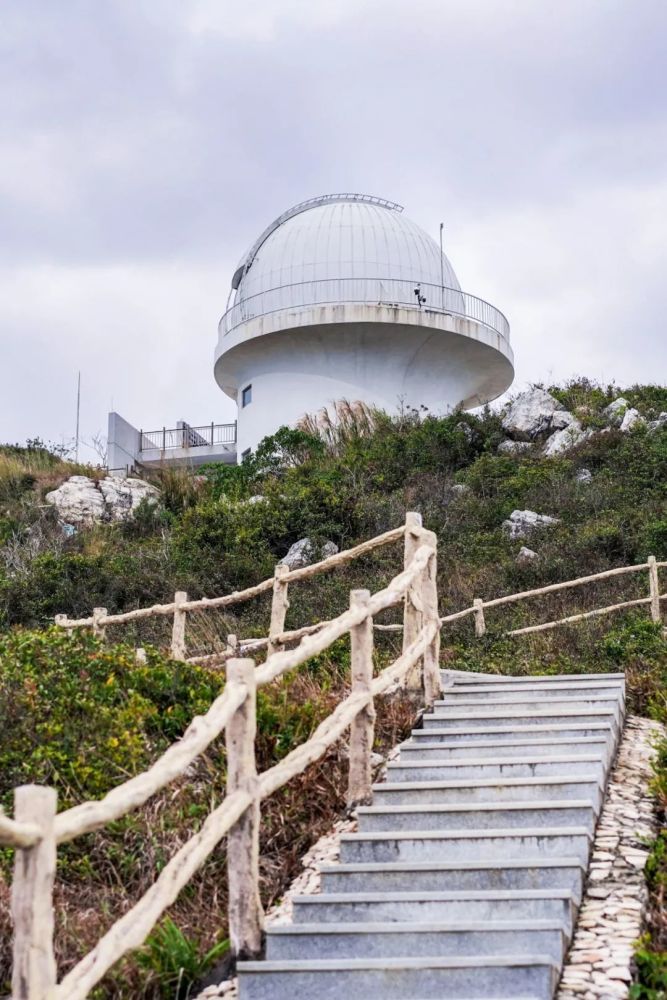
(144, 144)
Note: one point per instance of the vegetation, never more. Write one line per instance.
(82, 715)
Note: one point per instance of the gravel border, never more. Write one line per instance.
(599, 965)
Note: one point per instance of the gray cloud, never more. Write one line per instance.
(143, 145)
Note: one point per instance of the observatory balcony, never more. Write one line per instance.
(388, 292)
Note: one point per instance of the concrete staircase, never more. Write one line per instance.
(464, 879)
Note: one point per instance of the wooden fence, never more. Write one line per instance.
(37, 828)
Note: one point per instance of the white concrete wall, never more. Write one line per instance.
(122, 443)
(298, 371)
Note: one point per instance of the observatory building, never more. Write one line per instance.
(343, 297)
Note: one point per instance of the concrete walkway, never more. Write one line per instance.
(464, 879)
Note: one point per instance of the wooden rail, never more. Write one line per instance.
(37, 828)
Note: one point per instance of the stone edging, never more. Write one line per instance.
(599, 964)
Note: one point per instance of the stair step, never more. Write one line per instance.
(488, 790)
(477, 816)
(417, 940)
(462, 876)
(475, 978)
(479, 749)
(454, 718)
(457, 845)
(524, 703)
(496, 692)
(591, 766)
(499, 734)
(475, 678)
(443, 907)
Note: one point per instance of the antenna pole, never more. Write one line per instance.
(78, 412)
(442, 272)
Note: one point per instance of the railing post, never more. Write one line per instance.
(480, 622)
(232, 644)
(362, 730)
(245, 907)
(654, 584)
(98, 628)
(34, 964)
(432, 678)
(279, 607)
(178, 645)
(412, 612)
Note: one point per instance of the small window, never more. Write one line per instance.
(246, 395)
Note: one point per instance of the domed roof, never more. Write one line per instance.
(336, 240)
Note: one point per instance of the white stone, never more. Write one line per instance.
(584, 476)
(526, 555)
(656, 425)
(533, 414)
(565, 439)
(460, 489)
(615, 411)
(522, 523)
(305, 551)
(631, 418)
(81, 500)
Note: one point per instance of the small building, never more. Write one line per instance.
(341, 297)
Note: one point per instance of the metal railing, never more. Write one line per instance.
(186, 436)
(391, 292)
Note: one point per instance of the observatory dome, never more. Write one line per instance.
(343, 297)
(351, 246)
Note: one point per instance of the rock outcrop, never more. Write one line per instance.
(522, 523)
(526, 556)
(82, 500)
(306, 551)
(535, 414)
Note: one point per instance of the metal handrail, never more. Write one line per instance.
(393, 292)
(186, 436)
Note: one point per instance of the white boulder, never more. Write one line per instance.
(534, 414)
(631, 418)
(305, 552)
(522, 523)
(615, 411)
(460, 489)
(584, 476)
(526, 556)
(565, 439)
(656, 425)
(82, 500)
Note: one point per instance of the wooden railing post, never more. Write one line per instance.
(34, 965)
(279, 606)
(480, 621)
(412, 611)
(362, 730)
(432, 678)
(245, 908)
(178, 645)
(98, 628)
(654, 584)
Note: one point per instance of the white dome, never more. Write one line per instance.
(353, 247)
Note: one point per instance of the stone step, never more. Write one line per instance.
(477, 816)
(521, 977)
(480, 749)
(468, 876)
(465, 677)
(496, 692)
(489, 790)
(454, 718)
(377, 940)
(443, 907)
(480, 768)
(460, 707)
(497, 735)
(479, 845)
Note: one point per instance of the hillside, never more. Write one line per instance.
(80, 714)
